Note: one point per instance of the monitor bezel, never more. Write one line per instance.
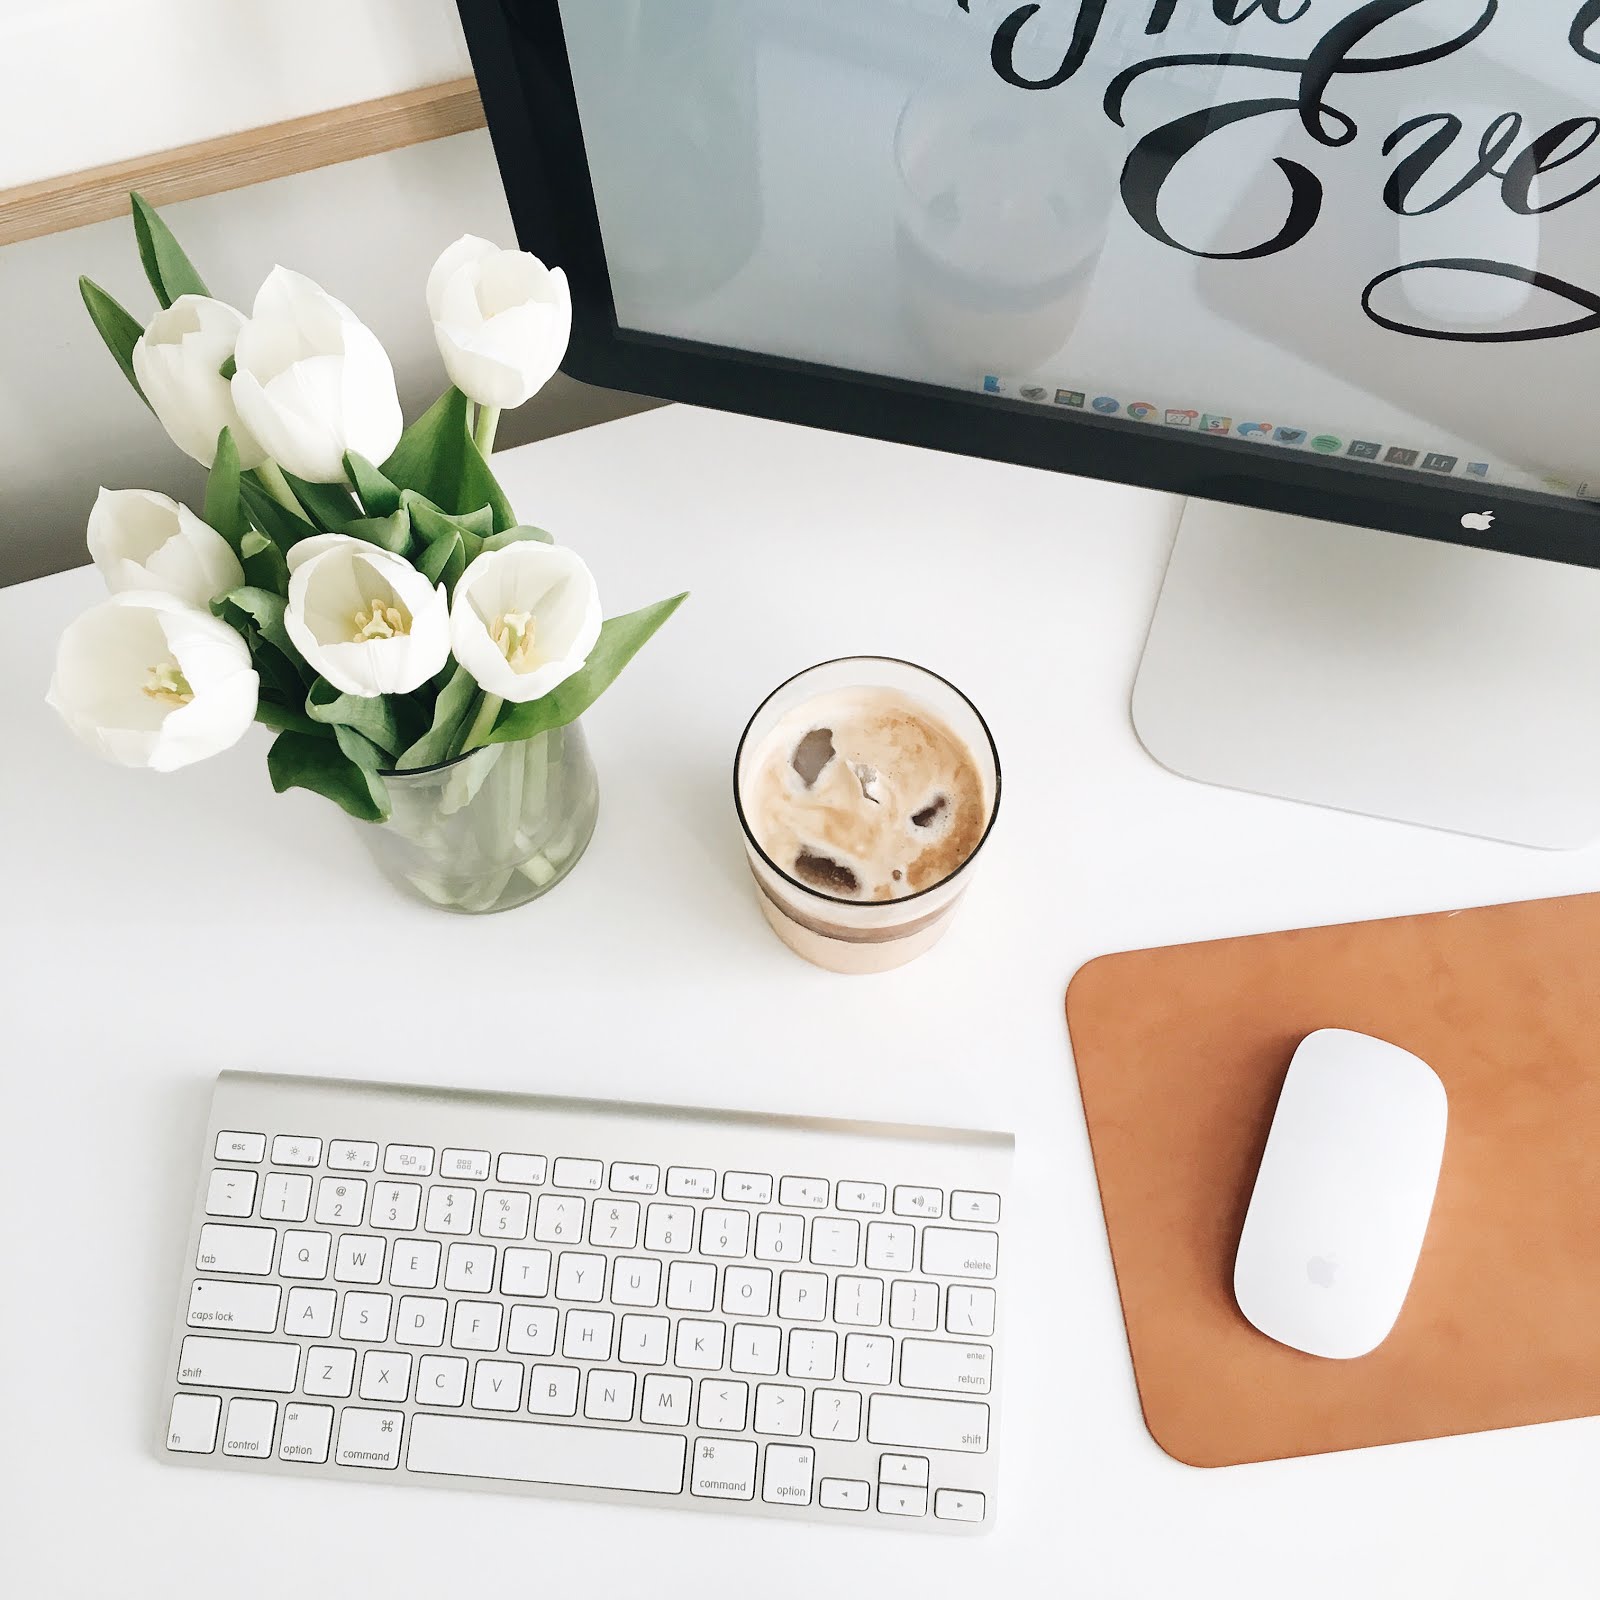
(531, 108)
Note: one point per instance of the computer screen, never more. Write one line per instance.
(1339, 257)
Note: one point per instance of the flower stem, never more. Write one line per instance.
(483, 723)
(483, 431)
(271, 476)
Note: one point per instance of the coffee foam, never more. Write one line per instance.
(851, 832)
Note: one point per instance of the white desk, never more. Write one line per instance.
(157, 929)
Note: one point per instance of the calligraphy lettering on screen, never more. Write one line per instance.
(1508, 152)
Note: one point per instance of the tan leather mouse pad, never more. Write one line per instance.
(1180, 1055)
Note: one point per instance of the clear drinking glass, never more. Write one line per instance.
(859, 936)
(493, 829)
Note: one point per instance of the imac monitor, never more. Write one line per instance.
(1329, 268)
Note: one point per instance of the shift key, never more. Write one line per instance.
(900, 1419)
(959, 1252)
(238, 1363)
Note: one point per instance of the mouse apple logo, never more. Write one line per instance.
(1478, 521)
(1322, 1270)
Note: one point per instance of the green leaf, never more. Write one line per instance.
(118, 327)
(620, 640)
(280, 524)
(454, 702)
(169, 270)
(444, 560)
(228, 369)
(263, 610)
(264, 566)
(374, 718)
(437, 458)
(281, 682)
(324, 766)
(379, 497)
(388, 533)
(284, 718)
(432, 525)
(331, 504)
(223, 510)
(521, 534)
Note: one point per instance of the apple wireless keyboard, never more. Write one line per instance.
(639, 1304)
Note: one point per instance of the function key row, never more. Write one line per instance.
(626, 1177)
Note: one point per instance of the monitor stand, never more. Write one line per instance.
(1402, 678)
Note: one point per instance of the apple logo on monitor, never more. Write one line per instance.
(1478, 521)
(1322, 1270)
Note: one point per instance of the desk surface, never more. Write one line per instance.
(154, 930)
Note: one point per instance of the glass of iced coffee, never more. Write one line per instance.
(865, 788)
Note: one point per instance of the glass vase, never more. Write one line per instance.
(494, 829)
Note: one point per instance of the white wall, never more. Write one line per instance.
(92, 81)
(367, 230)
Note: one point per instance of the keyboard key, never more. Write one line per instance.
(575, 1173)
(249, 1428)
(369, 1438)
(558, 1219)
(669, 1229)
(504, 1214)
(537, 1452)
(858, 1302)
(525, 1272)
(700, 1344)
(691, 1286)
(959, 1505)
(844, 1494)
(414, 1263)
(724, 1404)
(691, 1183)
(450, 1208)
(835, 1242)
(748, 1188)
(724, 1469)
(959, 1252)
(476, 1325)
(642, 1341)
(309, 1314)
(497, 1386)
(306, 1432)
(861, 1197)
(442, 1381)
(359, 1258)
(329, 1371)
(614, 1224)
(238, 1147)
(531, 1331)
(813, 1354)
(781, 1409)
(385, 1375)
(230, 1194)
(234, 1307)
(898, 1419)
(897, 1502)
(904, 1471)
(913, 1202)
(943, 1364)
(469, 1268)
(296, 1150)
(215, 1363)
(808, 1194)
(803, 1296)
(779, 1237)
(192, 1426)
(408, 1160)
(553, 1391)
(352, 1155)
(914, 1305)
(396, 1205)
(868, 1358)
(364, 1318)
(634, 1177)
(636, 1281)
(460, 1164)
(755, 1348)
(974, 1205)
(420, 1319)
(786, 1479)
(587, 1335)
(747, 1291)
(304, 1254)
(665, 1401)
(286, 1196)
(724, 1233)
(515, 1168)
(226, 1248)
(836, 1414)
(891, 1247)
(581, 1277)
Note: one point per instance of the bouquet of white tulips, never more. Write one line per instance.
(362, 588)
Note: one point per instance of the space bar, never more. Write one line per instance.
(543, 1452)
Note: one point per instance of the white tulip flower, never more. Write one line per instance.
(141, 540)
(151, 682)
(178, 361)
(365, 618)
(502, 320)
(312, 381)
(524, 619)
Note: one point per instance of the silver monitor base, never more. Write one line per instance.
(1423, 682)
